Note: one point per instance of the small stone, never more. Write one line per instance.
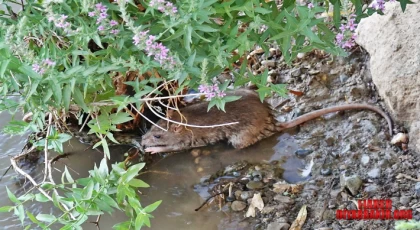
(353, 183)
(313, 72)
(374, 173)
(278, 226)
(302, 153)
(371, 189)
(238, 206)
(245, 195)
(269, 63)
(200, 169)
(326, 171)
(238, 194)
(236, 174)
(230, 198)
(257, 173)
(405, 200)
(343, 78)
(300, 55)
(330, 141)
(365, 159)
(296, 72)
(283, 199)
(254, 185)
(206, 152)
(195, 152)
(417, 189)
(197, 160)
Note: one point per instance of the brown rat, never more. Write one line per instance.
(255, 122)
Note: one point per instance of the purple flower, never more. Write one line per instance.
(101, 7)
(36, 67)
(311, 5)
(49, 62)
(51, 18)
(202, 88)
(92, 14)
(101, 28)
(103, 15)
(113, 23)
(115, 32)
(339, 37)
(342, 27)
(221, 94)
(351, 26)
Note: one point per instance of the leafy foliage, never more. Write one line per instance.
(56, 54)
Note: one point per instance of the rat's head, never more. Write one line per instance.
(158, 140)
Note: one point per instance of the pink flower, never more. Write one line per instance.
(113, 23)
(115, 32)
(92, 14)
(101, 28)
(311, 5)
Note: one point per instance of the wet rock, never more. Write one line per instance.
(417, 189)
(245, 195)
(374, 173)
(278, 226)
(269, 63)
(330, 141)
(230, 198)
(326, 171)
(371, 189)
(405, 200)
(343, 78)
(238, 194)
(302, 153)
(195, 152)
(352, 183)
(296, 72)
(283, 199)
(365, 159)
(254, 185)
(238, 206)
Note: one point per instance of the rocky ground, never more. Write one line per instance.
(351, 152)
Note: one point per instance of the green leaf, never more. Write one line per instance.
(45, 218)
(97, 40)
(78, 97)
(139, 221)
(6, 208)
(12, 196)
(205, 28)
(119, 118)
(262, 10)
(404, 3)
(151, 207)
(138, 183)
(3, 67)
(88, 191)
(187, 38)
(20, 213)
(132, 172)
(41, 198)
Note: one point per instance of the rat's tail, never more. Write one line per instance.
(317, 113)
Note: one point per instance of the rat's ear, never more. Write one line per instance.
(176, 128)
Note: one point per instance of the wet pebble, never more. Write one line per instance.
(343, 78)
(195, 152)
(254, 185)
(230, 198)
(405, 200)
(238, 206)
(302, 153)
(236, 174)
(374, 173)
(417, 189)
(245, 195)
(283, 199)
(278, 226)
(365, 159)
(326, 171)
(329, 141)
(269, 63)
(296, 72)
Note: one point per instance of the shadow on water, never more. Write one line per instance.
(172, 180)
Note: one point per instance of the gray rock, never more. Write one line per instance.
(284, 199)
(405, 200)
(238, 206)
(394, 62)
(353, 183)
(278, 226)
(417, 189)
(374, 173)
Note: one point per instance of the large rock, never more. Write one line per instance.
(393, 42)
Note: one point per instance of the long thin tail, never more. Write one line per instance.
(312, 115)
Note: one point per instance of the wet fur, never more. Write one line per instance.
(255, 123)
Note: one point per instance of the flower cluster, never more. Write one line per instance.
(41, 68)
(211, 91)
(164, 7)
(160, 52)
(346, 37)
(379, 4)
(60, 22)
(104, 24)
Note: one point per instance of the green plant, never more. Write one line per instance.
(59, 55)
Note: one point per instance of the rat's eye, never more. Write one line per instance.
(156, 136)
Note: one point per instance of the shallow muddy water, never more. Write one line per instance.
(172, 180)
